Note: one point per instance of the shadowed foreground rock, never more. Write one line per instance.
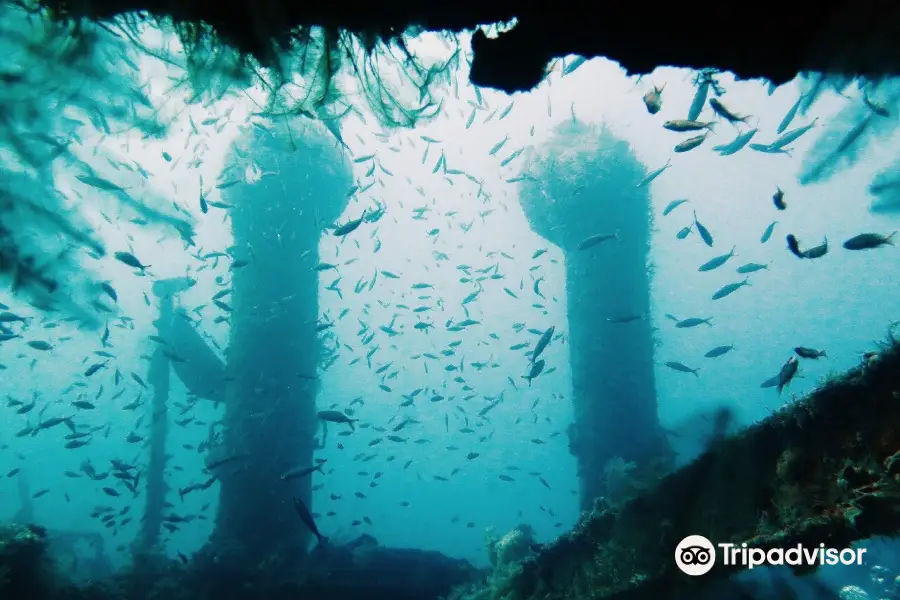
(23, 564)
(356, 571)
(857, 38)
(822, 470)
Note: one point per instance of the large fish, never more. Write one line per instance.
(543, 343)
(787, 373)
(307, 519)
(336, 416)
(298, 472)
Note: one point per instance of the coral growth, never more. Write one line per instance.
(620, 481)
(513, 547)
(24, 572)
(507, 556)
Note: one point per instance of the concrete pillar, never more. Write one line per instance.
(270, 398)
(159, 378)
(585, 182)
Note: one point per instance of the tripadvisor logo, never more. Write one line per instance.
(696, 555)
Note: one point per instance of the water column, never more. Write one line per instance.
(273, 353)
(585, 182)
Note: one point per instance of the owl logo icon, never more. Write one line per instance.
(695, 555)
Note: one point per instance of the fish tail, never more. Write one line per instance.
(890, 238)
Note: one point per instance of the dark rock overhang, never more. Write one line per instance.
(765, 38)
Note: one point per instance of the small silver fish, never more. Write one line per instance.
(718, 261)
(599, 238)
(787, 373)
(719, 351)
(677, 366)
(299, 472)
(727, 290)
(653, 99)
(810, 353)
(868, 241)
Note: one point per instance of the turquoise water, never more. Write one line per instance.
(437, 218)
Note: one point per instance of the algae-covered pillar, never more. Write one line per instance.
(273, 353)
(159, 379)
(582, 183)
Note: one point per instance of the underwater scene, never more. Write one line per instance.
(273, 330)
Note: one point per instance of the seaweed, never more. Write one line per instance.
(64, 73)
(309, 71)
(54, 78)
